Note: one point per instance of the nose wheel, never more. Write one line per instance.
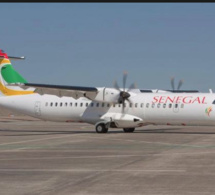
(101, 128)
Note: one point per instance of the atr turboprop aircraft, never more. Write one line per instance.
(125, 108)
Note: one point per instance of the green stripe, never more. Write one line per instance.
(10, 75)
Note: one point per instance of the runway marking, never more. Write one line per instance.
(90, 170)
(39, 147)
(161, 143)
(35, 140)
(103, 156)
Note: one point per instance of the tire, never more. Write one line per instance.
(129, 130)
(101, 128)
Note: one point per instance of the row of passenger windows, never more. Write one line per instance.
(87, 104)
(148, 105)
(164, 105)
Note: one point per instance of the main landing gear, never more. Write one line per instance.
(103, 128)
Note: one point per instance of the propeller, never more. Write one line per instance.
(124, 95)
(173, 83)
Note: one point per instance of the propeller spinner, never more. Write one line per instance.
(124, 95)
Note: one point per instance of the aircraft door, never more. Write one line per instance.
(37, 108)
(175, 108)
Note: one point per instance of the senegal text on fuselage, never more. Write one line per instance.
(179, 99)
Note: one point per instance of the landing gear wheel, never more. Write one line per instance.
(101, 128)
(129, 130)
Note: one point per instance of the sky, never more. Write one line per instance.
(92, 44)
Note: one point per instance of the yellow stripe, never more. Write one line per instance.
(4, 61)
(8, 92)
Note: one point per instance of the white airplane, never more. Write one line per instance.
(103, 107)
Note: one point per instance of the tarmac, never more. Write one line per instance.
(48, 158)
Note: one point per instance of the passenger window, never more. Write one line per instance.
(86, 104)
(76, 104)
(147, 105)
(136, 105)
(91, 104)
(65, 104)
(170, 105)
(119, 105)
(103, 104)
(153, 105)
(159, 105)
(141, 105)
(97, 104)
(81, 104)
(164, 105)
(176, 105)
(130, 105)
(51, 104)
(56, 104)
(70, 103)
(108, 105)
(61, 104)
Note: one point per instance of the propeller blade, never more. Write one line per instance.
(172, 83)
(180, 84)
(120, 100)
(123, 107)
(132, 86)
(116, 86)
(124, 80)
(130, 102)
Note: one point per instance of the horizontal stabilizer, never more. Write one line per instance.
(12, 58)
(16, 58)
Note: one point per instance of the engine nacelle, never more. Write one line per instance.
(109, 95)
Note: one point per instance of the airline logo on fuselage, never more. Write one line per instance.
(179, 99)
(208, 110)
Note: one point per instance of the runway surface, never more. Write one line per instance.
(48, 158)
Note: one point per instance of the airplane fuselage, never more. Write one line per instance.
(147, 108)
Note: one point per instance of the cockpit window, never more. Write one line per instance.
(213, 102)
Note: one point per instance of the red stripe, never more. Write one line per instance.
(3, 54)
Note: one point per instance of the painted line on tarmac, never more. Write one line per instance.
(35, 140)
(102, 156)
(91, 170)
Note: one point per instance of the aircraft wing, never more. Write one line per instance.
(60, 90)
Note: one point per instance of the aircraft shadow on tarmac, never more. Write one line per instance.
(9, 132)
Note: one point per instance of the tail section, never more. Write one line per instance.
(9, 75)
